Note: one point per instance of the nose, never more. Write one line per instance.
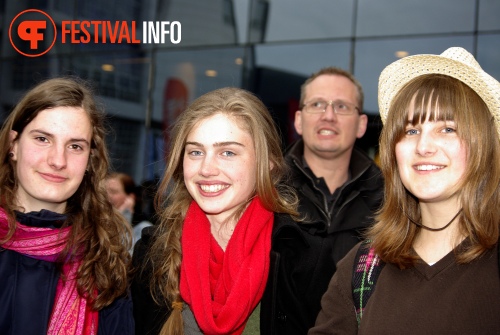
(209, 166)
(426, 144)
(57, 157)
(329, 114)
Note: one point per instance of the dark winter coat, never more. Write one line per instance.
(28, 289)
(305, 254)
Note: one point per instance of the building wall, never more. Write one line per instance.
(254, 44)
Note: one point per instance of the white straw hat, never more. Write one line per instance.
(454, 62)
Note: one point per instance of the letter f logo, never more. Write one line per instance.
(28, 31)
(33, 26)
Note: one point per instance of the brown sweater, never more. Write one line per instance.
(445, 298)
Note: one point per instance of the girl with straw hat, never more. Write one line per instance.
(433, 252)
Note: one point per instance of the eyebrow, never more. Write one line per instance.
(52, 136)
(217, 144)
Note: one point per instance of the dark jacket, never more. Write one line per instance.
(28, 289)
(149, 316)
(305, 254)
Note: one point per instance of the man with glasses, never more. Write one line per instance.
(339, 189)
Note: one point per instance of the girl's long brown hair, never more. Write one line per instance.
(99, 234)
(444, 98)
(173, 199)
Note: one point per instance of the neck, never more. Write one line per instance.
(421, 225)
(222, 228)
(437, 216)
(435, 243)
(335, 171)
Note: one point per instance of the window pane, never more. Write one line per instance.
(489, 11)
(396, 17)
(303, 58)
(488, 54)
(299, 19)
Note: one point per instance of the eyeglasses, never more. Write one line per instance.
(339, 107)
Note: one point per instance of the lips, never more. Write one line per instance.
(327, 132)
(428, 167)
(213, 188)
(53, 178)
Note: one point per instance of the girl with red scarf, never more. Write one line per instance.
(63, 250)
(210, 255)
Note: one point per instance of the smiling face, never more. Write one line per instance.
(220, 166)
(51, 155)
(329, 135)
(431, 159)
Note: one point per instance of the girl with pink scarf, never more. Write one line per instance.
(63, 249)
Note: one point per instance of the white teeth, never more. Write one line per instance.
(213, 188)
(429, 167)
(326, 132)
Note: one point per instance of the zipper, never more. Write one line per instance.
(324, 210)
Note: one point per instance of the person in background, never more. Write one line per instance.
(219, 201)
(63, 262)
(435, 241)
(123, 195)
(339, 189)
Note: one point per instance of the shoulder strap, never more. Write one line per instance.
(367, 267)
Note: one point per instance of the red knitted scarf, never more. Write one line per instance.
(223, 288)
(71, 314)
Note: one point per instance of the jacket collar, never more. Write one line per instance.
(358, 165)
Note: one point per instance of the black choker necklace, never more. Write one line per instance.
(418, 224)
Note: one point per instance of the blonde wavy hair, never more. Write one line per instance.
(173, 199)
(99, 234)
(443, 98)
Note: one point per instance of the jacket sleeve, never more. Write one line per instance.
(337, 314)
(117, 318)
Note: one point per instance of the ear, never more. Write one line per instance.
(362, 125)
(13, 144)
(271, 165)
(298, 122)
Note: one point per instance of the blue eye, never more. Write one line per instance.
(195, 153)
(228, 153)
(411, 132)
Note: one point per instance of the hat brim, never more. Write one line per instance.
(399, 73)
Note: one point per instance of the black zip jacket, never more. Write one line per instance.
(305, 254)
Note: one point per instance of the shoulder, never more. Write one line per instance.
(295, 149)
(141, 249)
(286, 228)
(361, 163)
(117, 318)
(146, 240)
(346, 264)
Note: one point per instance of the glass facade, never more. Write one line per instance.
(266, 46)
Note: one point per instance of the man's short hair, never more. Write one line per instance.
(335, 71)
